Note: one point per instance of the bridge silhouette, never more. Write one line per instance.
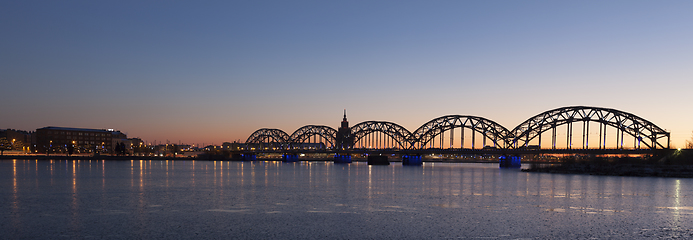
(627, 133)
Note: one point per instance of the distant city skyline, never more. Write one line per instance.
(213, 73)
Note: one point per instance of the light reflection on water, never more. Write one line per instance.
(147, 199)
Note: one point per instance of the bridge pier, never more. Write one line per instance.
(411, 160)
(509, 161)
(249, 157)
(290, 157)
(339, 158)
(378, 160)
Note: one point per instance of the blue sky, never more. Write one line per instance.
(215, 71)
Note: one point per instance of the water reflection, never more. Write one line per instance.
(14, 178)
(677, 204)
(167, 173)
(75, 211)
(103, 175)
(15, 203)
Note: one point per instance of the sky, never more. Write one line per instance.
(216, 71)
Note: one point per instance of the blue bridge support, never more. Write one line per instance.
(249, 157)
(509, 161)
(288, 157)
(342, 158)
(412, 160)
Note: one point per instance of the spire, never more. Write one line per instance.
(345, 123)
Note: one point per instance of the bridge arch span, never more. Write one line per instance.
(304, 134)
(642, 131)
(270, 137)
(393, 135)
(425, 135)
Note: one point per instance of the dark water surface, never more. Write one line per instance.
(274, 200)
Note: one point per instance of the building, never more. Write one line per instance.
(234, 146)
(344, 138)
(136, 142)
(78, 140)
(21, 140)
(118, 137)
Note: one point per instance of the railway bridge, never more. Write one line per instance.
(566, 130)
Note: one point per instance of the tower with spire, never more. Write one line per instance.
(344, 138)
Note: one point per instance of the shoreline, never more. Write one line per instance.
(103, 157)
(128, 158)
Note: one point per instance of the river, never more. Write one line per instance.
(316, 200)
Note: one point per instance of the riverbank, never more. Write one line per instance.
(128, 158)
(84, 157)
(616, 169)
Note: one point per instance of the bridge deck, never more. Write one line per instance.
(461, 151)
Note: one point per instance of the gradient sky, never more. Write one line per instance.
(215, 71)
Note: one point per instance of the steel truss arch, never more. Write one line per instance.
(488, 128)
(624, 122)
(400, 134)
(268, 135)
(304, 133)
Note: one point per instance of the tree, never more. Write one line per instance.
(18, 145)
(116, 149)
(122, 149)
(689, 142)
(70, 149)
(4, 145)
